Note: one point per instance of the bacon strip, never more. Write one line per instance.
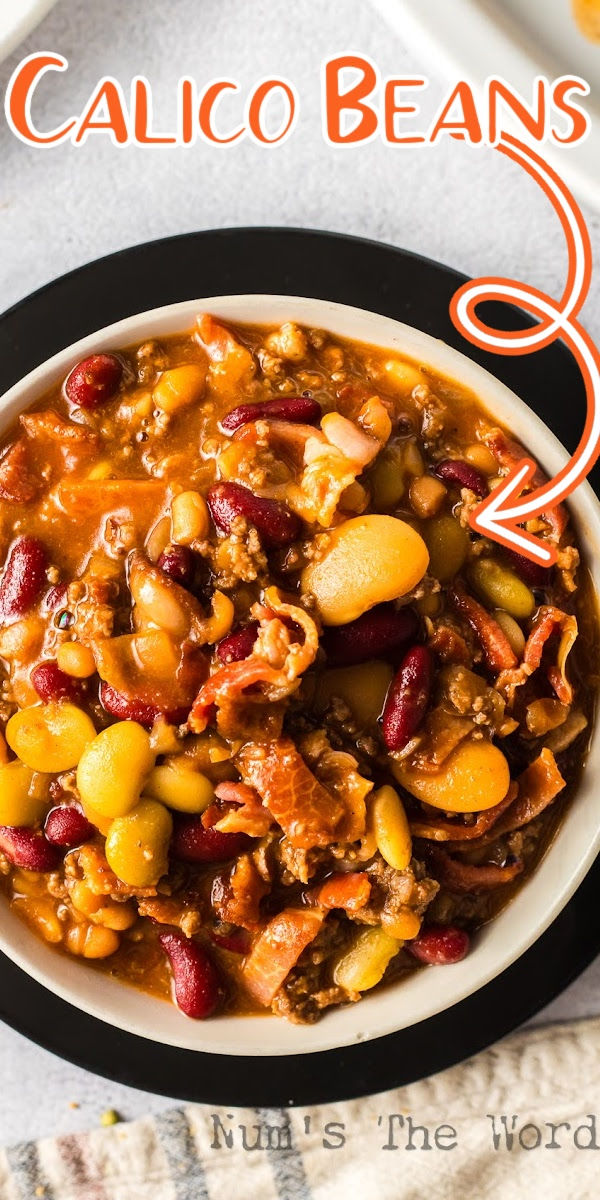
(277, 949)
(499, 655)
(51, 426)
(278, 679)
(540, 784)
(307, 812)
(462, 877)
(449, 645)
(548, 620)
(18, 484)
(248, 814)
(236, 897)
(509, 452)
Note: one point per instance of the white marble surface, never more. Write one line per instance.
(61, 208)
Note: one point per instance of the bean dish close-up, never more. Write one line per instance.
(276, 726)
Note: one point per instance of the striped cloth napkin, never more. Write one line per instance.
(519, 1120)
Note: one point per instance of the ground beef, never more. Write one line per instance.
(309, 989)
(392, 891)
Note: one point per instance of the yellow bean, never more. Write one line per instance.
(392, 832)
(448, 545)
(430, 605)
(92, 941)
(18, 803)
(76, 660)
(99, 910)
(365, 964)
(404, 924)
(189, 518)
(218, 624)
(427, 494)
(368, 560)
(354, 498)
(114, 768)
(22, 640)
(386, 478)
(96, 818)
(158, 603)
(137, 845)
(499, 587)
(179, 387)
(180, 787)
(42, 915)
(404, 375)
(158, 539)
(364, 688)
(375, 419)
(514, 633)
(478, 455)
(50, 737)
(475, 777)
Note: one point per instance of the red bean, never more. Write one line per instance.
(94, 381)
(463, 475)
(407, 698)
(237, 941)
(191, 842)
(145, 713)
(239, 644)
(51, 683)
(377, 633)
(440, 945)
(24, 577)
(67, 826)
(276, 524)
(198, 988)
(28, 848)
(298, 409)
(530, 572)
(178, 562)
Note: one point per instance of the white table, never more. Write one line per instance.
(61, 208)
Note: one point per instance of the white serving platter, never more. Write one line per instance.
(517, 39)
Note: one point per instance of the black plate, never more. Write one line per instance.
(411, 289)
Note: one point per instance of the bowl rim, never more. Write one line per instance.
(538, 901)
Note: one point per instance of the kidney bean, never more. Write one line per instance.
(239, 644)
(198, 987)
(28, 848)
(178, 562)
(440, 945)
(94, 380)
(237, 941)
(530, 572)
(378, 632)
(407, 698)
(142, 711)
(51, 683)
(191, 842)
(67, 826)
(24, 577)
(462, 475)
(298, 409)
(276, 524)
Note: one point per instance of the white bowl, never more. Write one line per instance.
(543, 895)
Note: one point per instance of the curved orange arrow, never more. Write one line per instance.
(503, 513)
